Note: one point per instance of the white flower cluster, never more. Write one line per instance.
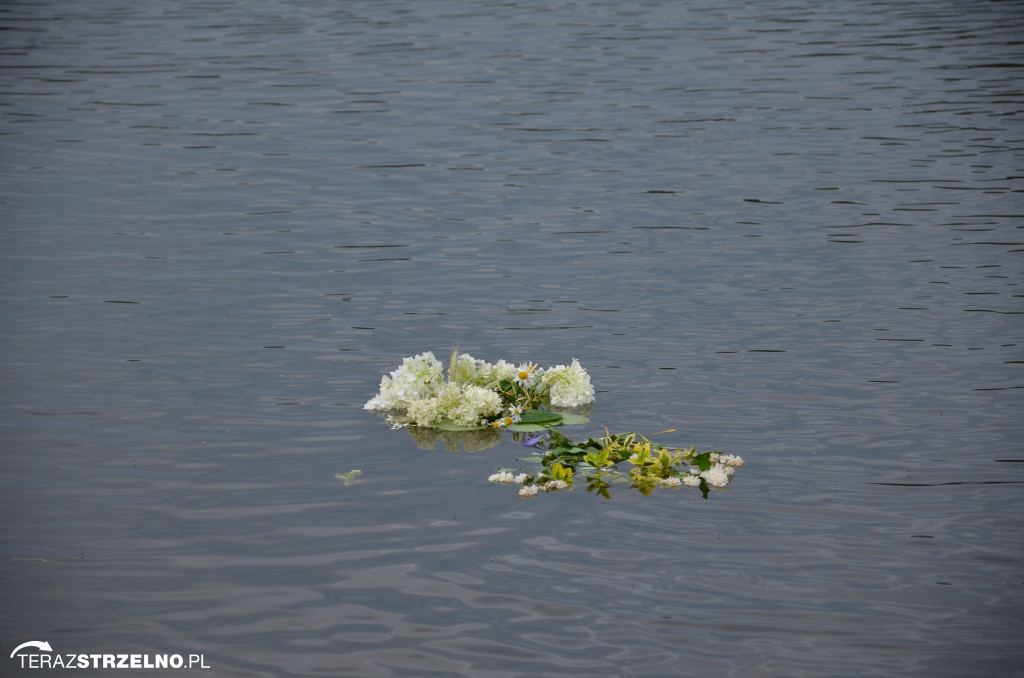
(465, 368)
(418, 387)
(716, 476)
(409, 383)
(462, 404)
(568, 386)
(508, 478)
(721, 472)
(730, 460)
(550, 486)
(471, 395)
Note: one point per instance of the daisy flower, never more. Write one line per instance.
(515, 412)
(504, 421)
(525, 375)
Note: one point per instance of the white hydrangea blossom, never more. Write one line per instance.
(418, 387)
(463, 404)
(555, 485)
(568, 386)
(692, 480)
(468, 404)
(424, 411)
(675, 482)
(528, 490)
(411, 382)
(502, 477)
(731, 460)
(502, 370)
(423, 368)
(387, 398)
(466, 368)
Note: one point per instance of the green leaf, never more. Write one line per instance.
(559, 472)
(597, 459)
(571, 419)
(540, 417)
(558, 438)
(526, 428)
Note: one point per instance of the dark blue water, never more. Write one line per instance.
(789, 230)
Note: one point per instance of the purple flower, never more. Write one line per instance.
(532, 442)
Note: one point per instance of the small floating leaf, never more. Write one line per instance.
(350, 477)
(572, 419)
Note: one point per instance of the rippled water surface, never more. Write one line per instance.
(789, 230)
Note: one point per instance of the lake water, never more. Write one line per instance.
(789, 230)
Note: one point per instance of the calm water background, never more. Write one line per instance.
(789, 230)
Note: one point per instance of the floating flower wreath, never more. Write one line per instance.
(479, 398)
(650, 465)
(476, 394)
